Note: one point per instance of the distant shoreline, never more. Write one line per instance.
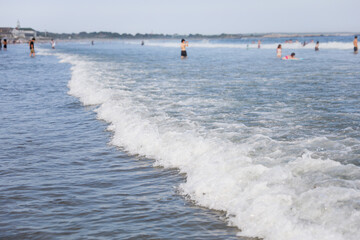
(43, 37)
(112, 35)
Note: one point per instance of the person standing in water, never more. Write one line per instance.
(278, 51)
(355, 45)
(259, 43)
(183, 46)
(32, 47)
(317, 46)
(52, 44)
(5, 44)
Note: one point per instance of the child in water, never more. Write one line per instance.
(183, 46)
(278, 51)
(291, 57)
(32, 47)
(317, 46)
(355, 42)
(5, 44)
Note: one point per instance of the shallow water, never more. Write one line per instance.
(273, 144)
(61, 180)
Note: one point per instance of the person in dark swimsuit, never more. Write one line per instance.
(183, 54)
(317, 46)
(5, 44)
(32, 47)
(355, 44)
(183, 46)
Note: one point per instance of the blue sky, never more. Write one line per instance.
(183, 17)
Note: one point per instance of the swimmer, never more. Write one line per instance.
(355, 44)
(5, 44)
(183, 46)
(52, 44)
(278, 51)
(259, 43)
(291, 57)
(32, 47)
(317, 46)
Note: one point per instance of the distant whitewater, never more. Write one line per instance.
(275, 144)
(342, 43)
(295, 45)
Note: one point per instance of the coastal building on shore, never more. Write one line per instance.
(26, 32)
(6, 32)
(18, 33)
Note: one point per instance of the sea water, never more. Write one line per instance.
(273, 144)
(59, 177)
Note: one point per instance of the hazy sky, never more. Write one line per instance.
(183, 17)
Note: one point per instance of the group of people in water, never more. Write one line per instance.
(31, 45)
(292, 55)
(288, 57)
(185, 44)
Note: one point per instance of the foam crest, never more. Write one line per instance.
(284, 196)
(295, 45)
(83, 84)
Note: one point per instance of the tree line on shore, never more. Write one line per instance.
(113, 35)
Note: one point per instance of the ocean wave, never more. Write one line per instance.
(277, 196)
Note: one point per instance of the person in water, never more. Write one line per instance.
(259, 43)
(5, 44)
(355, 45)
(291, 57)
(32, 47)
(0, 44)
(52, 44)
(183, 46)
(278, 51)
(317, 46)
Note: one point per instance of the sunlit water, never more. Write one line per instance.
(272, 144)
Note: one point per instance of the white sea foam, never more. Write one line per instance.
(208, 44)
(270, 189)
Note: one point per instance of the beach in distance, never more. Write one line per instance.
(133, 139)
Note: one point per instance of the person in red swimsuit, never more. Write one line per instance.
(291, 57)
